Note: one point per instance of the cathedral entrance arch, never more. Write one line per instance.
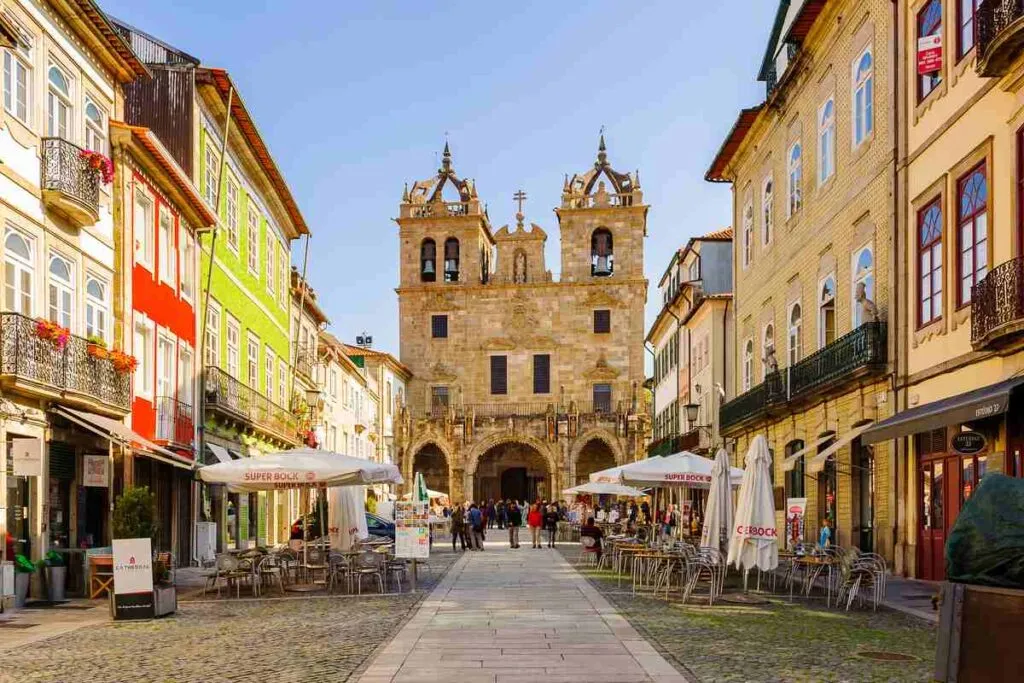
(430, 460)
(513, 469)
(595, 455)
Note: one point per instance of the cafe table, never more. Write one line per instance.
(813, 566)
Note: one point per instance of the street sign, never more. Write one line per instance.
(929, 54)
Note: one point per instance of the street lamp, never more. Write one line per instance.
(692, 409)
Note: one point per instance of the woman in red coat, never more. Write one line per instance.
(534, 519)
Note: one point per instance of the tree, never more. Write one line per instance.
(135, 514)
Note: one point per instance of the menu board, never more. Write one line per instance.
(412, 530)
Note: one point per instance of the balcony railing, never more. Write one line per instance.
(37, 365)
(237, 400)
(595, 200)
(305, 360)
(174, 422)
(861, 352)
(675, 443)
(432, 209)
(997, 303)
(601, 409)
(68, 183)
(1000, 35)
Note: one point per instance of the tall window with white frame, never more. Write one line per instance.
(796, 337)
(826, 312)
(188, 262)
(211, 344)
(966, 21)
(282, 265)
(231, 211)
(972, 231)
(58, 103)
(143, 228)
(253, 241)
(863, 98)
(186, 375)
(748, 233)
(269, 255)
(768, 347)
(168, 250)
(748, 365)
(767, 210)
(143, 351)
(96, 308)
(212, 172)
(18, 79)
(19, 273)
(282, 383)
(95, 127)
(795, 179)
(863, 283)
(234, 333)
(930, 262)
(61, 290)
(826, 140)
(164, 371)
(252, 358)
(268, 373)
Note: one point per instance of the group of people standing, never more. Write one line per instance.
(470, 521)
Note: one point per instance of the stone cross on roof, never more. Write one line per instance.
(519, 197)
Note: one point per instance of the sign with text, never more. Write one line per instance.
(796, 516)
(968, 443)
(412, 530)
(133, 578)
(929, 54)
(96, 470)
(27, 454)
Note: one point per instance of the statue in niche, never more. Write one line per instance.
(601, 196)
(519, 268)
(867, 312)
(771, 363)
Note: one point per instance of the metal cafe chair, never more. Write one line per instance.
(369, 565)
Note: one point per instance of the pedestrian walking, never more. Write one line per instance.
(551, 524)
(476, 527)
(500, 512)
(458, 522)
(515, 520)
(535, 519)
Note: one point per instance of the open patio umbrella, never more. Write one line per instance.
(298, 469)
(439, 496)
(755, 541)
(718, 511)
(605, 489)
(681, 469)
(613, 475)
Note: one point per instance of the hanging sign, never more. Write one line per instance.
(133, 578)
(929, 54)
(27, 454)
(796, 514)
(968, 443)
(96, 471)
(412, 530)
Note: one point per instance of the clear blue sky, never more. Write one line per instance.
(354, 99)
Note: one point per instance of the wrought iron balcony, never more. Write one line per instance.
(174, 421)
(675, 443)
(69, 184)
(237, 401)
(1000, 35)
(305, 360)
(997, 304)
(860, 353)
(33, 365)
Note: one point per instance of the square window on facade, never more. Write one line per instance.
(542, 374)
(602, 398)
(439, 326)
(602, 321)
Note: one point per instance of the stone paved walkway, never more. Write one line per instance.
(517, 615)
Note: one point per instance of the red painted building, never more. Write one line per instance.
(160, 213)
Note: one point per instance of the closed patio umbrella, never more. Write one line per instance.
(755, 541)
(718, 511)
(346, 516)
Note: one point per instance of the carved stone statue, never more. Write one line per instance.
(867, 312)
(519, 268)
(771, 363)
(601, 196)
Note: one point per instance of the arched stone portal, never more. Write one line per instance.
(513, 470)
(596, 455)
(432, 463)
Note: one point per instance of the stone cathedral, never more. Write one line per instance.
(522, 384)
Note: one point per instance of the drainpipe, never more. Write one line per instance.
(900, 447)
(725, 360)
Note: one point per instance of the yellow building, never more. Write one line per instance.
(959, 272)
(812, 174)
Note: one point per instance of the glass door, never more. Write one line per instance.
(932, 537)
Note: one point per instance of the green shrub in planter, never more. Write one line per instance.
(23, 565)
(135, 514)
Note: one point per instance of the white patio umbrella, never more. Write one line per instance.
(718, 510)
(346, 518)
(682, 469)
(613, 475)
(298, 469)
(605, 489)
(755, 541)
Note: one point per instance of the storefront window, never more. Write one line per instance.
(827, 492)
(974, 467)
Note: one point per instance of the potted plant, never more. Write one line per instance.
(100, 163)
(124, 362)
(54, 333)
(55, 574)
(23, 571)
(97, 347)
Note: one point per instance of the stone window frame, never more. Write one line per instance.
(982, 154)
(936, 194)
(436, 321)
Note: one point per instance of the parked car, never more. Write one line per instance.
(376, 526)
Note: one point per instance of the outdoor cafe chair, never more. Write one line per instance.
(396, 569)
(337, 570)
(315, 563)
(369, 565)
(269, 571)
(227, 568)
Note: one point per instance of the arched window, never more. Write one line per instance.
(61, 292)
(95, 308)
(826, 141)
(863, 278)
(795, 476)
(94, 127)
(18, 274)
(796, 177)
(748, 365)
(58, 104)
(769, 363)
(767, 210)
(863, 98)
(602, 253)
(451, 260)
(428, 261)
(796, 338)
(827, 312)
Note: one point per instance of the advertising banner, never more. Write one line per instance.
(796, 520)
(929, 54)
(412, 530)
(133, 578)
(97, 472)
(27, 454)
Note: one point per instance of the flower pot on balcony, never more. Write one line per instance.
(97, 351)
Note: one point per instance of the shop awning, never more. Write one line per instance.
(967, 407)
(817, 463)
(789, 464)
(219, 452)
(124, 435)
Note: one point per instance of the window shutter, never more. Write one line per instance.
(499, 375)
(542, 374)
(439, 326)
(602, 321)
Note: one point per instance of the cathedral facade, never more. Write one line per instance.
(522, 384)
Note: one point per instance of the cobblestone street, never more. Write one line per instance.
(280, 640)
(776, 641)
